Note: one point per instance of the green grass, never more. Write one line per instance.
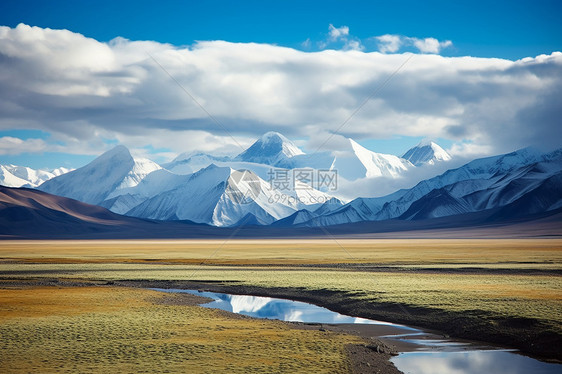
(119, 330)
(530, 296)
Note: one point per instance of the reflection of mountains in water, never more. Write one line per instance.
(471, 362)
(285, 310)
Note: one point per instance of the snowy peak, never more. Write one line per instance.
(22, 176)
(271, 149)
(190, 162)
(117, 155)
(114, 170)
(359, 162)
(426, 152)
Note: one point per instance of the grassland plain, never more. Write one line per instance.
(503, 291)
(115, 329)
(533, 252)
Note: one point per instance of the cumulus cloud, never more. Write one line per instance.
(339, 36)
(430, 45)
(354, 45)
(337, 33)
(84, 92)
(14, 146)
(390, 43)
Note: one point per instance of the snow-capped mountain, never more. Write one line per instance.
(352, 162)
(488, 183)
(222, 196)
(358, 162)
(22, 176)
(274, 150)
(102, 178)
(426, 152)
(204, 188)
(159, 181)
(139, 187)
(532, 188)
(190, 162)
(224, 191)
(271, 149)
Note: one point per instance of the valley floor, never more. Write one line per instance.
(497, 291)
(114, 329)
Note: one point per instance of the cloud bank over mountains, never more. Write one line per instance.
(87, 94)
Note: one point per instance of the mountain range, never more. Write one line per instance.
(32, 214)
(521, 182)
(246, 189)
(200, 187)
(22, 176)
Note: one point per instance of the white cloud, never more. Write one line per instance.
(430, 45)
(84, 92)
(337, 33)
(339, 36)
(390, 43)
(469, 150)
(14, 146)
(354, 45)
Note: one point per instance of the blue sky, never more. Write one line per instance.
(506, 29)
(498, 29)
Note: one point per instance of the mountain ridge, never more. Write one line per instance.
(227, 193)
(426, 152)
(32, 214)
(475, 186)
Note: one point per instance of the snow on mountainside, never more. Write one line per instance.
(271, 149)
(426, 152)
(352, 163)
(224, 191)
(189, 162)
(106, 175)
(375, 164)
(274, 150)
(533, 188)
(482, 184)
(200, 187)
(139, 187)
(22, 176)
(124, 199)
(222, 196)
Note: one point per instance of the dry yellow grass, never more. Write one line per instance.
(87, 329)
(523, 295)
(489, 293)
(510, 295)
(247, 252)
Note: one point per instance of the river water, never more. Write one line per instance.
(430, 356)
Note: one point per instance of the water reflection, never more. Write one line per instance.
(273, 308)
(471, 362)
(433, 356)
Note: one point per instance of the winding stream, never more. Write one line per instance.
(431, 354)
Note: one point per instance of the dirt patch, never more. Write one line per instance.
(366, 360)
